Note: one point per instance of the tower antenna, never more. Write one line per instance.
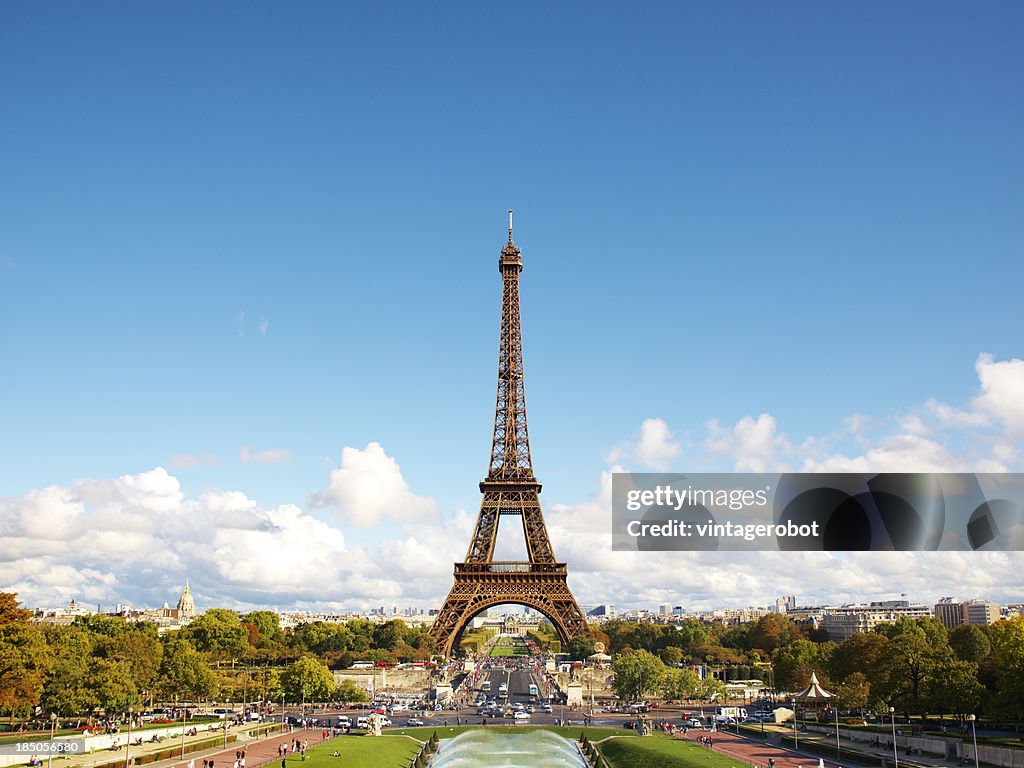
(510, 225)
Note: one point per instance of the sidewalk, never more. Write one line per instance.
(757, 752)
(258, 750)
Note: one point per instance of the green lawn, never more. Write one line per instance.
(361, 752)
(660, 751)
(509, 647)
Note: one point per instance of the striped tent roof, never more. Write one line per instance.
(814, 691)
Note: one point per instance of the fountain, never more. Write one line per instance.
(483, 748)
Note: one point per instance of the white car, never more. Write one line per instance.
(521, 716)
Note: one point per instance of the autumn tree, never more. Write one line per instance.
(24, 657)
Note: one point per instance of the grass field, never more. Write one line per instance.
(509, 647)
(660, 751)
(362, 752)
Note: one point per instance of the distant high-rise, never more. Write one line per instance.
(952, 613)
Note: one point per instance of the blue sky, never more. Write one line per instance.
(274, 228)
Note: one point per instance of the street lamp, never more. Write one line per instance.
(183, 710)
(974, 735)
(895, 752)
(53, 726)
(796, 735)
(838, 757)
(128, 746)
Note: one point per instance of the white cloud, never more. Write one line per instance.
(368, 487)
(262, 326)
(655, 448)
(135, 538)
(272, 456)
(1002, 392)
(753, 444)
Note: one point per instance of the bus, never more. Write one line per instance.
(534, 690)
(485, 686)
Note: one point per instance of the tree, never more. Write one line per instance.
(348, 691)
(141, 651)
(11, 611)
(671, 655)
(969, 643)
(580, 647)
(677, 684)
(268, 624)
(388, 635)
(918, 651)
(710, 688)
(184, 672)
(794, 663)
(635, 674)
(854, 692)
(1008, 661)
(308, 679)
(109, 682)
(66, 690)
(857, 654)
(218, 633)
(24, 661)
(954, 687)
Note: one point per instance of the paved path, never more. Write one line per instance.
(757, 752)
(257, 752)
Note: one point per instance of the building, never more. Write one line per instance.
(949, 612)
(953, 614)
(846, 621)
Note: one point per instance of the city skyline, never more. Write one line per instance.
(250, 304)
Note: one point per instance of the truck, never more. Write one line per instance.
(730, 714)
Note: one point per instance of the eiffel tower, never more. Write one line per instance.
(510, 489)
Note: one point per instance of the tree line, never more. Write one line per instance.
(104, 663)
(914, 665)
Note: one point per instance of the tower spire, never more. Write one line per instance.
(510, 447)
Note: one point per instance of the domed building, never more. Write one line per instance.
(186, 605)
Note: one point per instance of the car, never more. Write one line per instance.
(547, 708)
(521, 715)
(343, 721)
(414, 721)
(693, 722)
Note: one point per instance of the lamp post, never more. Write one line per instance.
(53, 727)
(974, 736)
(895, 752)
(128, 746)
(183, 733)
(838, 758)
(796, 735)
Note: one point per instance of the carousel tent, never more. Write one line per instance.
(813, 692)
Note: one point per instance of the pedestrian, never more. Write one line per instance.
(771, 762)
(284, 762)
(192, 763)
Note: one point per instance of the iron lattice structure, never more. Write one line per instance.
(510, 489)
